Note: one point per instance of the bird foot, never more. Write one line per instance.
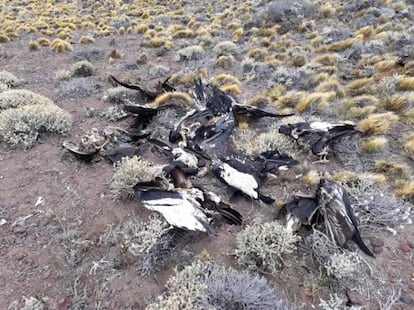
(321, 161)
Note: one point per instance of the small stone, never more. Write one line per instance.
(406, 298)
(377, 249)
(405, 248)
(377, 242)
(356, 298)
(411, 286)
(410, 244)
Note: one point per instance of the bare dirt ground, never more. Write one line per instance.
(56, 209)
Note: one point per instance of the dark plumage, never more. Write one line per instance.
(84, 155)
(330, 210)
(338, 215)
(242, 174)
(190, 209)
(147, 94)
(319, 135)
(253, 112)
(115, 154)
(179, 209)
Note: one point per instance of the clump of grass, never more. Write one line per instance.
(315, 101)
(263, 247)
(396, 102)
(361, 86)
(86, 40)
(33, 45)
(178, 96)
(43, 41)
(331, 85)
(258, 54)
(194, 52)
(406, 84)
(225, 61)
(311, 178)
(129, 172)
(10, 79)
(60, 46)
(225, 78)
(83, 68)
(377, 124)
(232, 89)
(406, 191)
(4, 38)
(22, 125)
(226, 48)
(392, 170)
(407, 116)
(409, 145)
(374, 144)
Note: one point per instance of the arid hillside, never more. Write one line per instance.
(73, 234)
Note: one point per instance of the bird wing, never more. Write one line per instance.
(242, 181)
(244, 109)
(176, 209)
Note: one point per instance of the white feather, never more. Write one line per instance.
(242, 181)
(179, 212)
(187, 158)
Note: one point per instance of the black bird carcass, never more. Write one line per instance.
(320, 136)
(330, 210)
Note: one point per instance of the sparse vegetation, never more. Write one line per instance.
(263, 247)
(23, 125)
(215, 287)
(128, 173)
(328, 61)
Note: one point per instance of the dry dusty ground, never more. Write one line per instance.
(48, 247)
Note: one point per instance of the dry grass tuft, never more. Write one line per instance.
(225, 61)
(406, 84)
(33, 45)
(166, 97)
(377, 124)
(311, 178)
(406, 191)
(4, 38)
(374, 144)
(43, 41)
(225, 78)
(315, 101)
(86, 40)
(226, 48)
(232, 89)
(393, 170)
(60, 46)
(409, 145)
(361, 86)
(396, 102)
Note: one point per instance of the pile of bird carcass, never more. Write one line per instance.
(198, 145)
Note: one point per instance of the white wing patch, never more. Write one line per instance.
(242, 181)
(179, 212)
